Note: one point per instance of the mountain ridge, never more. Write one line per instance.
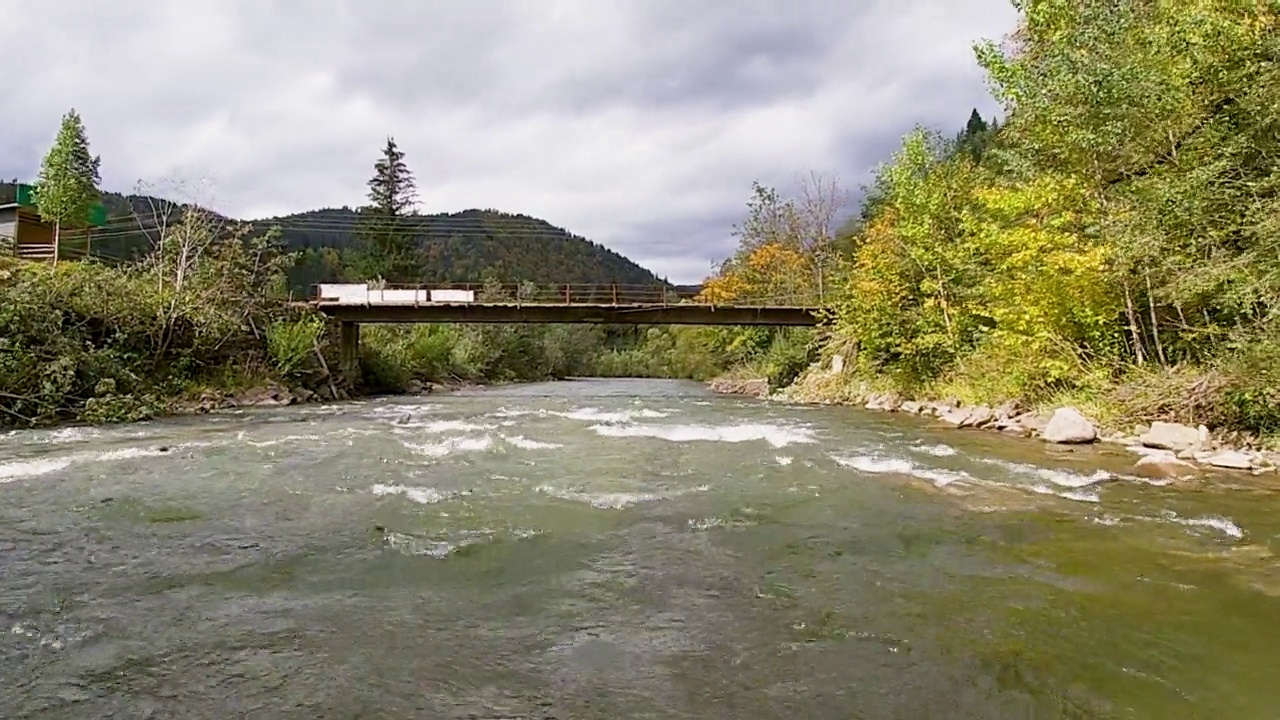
(464, 246)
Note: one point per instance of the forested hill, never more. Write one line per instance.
(471, 245)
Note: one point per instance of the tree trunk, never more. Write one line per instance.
(1155, 325)
(57, 232)
(1132, 315)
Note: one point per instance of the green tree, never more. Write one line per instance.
(392, 190)
(67, 187)
(386, 244)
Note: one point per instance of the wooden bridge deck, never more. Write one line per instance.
(621, 314)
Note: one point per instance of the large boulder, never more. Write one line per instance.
(1172, 436)
(1230, 460)
(1162, 465)
(1068, 425)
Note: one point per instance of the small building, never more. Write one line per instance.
(33, 238)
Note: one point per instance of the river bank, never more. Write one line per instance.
(98, 343)
(277, 394)
(1162, 450)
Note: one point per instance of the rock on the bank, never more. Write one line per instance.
(887, 402)
(979, 416)
(1173, 436)
(266, 396)
(1069, 426)
(1028, 423)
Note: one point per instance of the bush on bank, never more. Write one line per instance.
(206, 314)
(84, 340)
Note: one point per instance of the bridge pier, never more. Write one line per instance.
(349, 349)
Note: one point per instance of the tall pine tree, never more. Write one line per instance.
(67, 187)
(386, 246)
(392, 191)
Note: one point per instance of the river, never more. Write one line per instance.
(620, 549)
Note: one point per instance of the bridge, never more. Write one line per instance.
(353, 304)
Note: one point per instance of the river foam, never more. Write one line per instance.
(12, 470)
(1221, 524)
(420, 495)
(777, 436)
(20, 469)
(615, 500)
(881, 464)
(525, 443)
(449, 446)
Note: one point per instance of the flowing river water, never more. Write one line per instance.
(620, 549)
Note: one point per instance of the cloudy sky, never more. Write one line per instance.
(637, 123)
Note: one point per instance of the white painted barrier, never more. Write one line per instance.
(398, 296)
(453, 296)
(360, 293)
(344, 292)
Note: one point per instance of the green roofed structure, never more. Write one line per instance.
(33, 238)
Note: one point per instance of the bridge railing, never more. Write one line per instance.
(520, 294)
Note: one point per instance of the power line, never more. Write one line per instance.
(354, 220)
(145, 224)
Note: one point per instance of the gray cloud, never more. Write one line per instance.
(638, 124)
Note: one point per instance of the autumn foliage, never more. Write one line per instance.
(1121, 224)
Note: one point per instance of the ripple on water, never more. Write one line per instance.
(438, 427)
(443, 545)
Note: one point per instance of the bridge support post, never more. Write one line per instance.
(349, 349)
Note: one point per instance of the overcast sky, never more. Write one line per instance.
(637, 123)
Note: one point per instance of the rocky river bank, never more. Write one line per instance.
(1163, 450)
(274, 394)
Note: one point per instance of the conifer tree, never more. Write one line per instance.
(392, 191)
(67, 187)
(386, 246)
(976, 136)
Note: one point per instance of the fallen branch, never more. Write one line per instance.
(328, 376)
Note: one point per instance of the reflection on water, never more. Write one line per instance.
(620, 549)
